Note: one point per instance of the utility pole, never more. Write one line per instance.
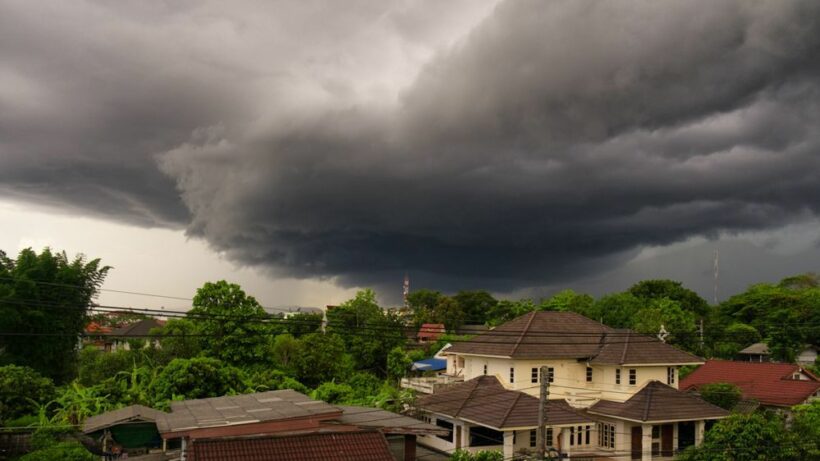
(541, 435)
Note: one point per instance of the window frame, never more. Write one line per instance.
(618, 376)
(512, 375)
(633, 376)
(589, 374)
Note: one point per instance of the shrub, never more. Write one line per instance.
(22, 390)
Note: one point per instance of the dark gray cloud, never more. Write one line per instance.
(549, 141)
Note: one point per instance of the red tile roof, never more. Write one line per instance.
(768, 383)
(338, 446)
(431, 331)
(567, 335)
(658, 402)
(487, 402)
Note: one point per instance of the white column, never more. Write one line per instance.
(646, 442)
(509, 449)
(700, 430)
(565, 440)
(465, 435)
(183, 453)
(675, 437)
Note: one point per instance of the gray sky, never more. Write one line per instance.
(307, 148)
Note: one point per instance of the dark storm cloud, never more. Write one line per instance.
(552, 140)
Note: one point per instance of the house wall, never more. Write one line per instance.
(569, 377)
(809, 355)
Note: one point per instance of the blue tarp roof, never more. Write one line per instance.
(430, 365)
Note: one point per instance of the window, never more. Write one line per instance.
(589, 374)
(579, 435)
(549, 437)
(617, 376)
(550, 374)
(512, 375)
(534, 375)
(446, 425)
(481, 436)
(606, 435)
(670, 375)
(533, 437)
(633, 376)
(485, 369)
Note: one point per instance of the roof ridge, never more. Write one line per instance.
(509, 410)
(649, 391)
(466, 399)
(523, 333)
(626, 347)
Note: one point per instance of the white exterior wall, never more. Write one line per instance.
(570, 377)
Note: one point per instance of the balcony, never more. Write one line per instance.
(430, 384)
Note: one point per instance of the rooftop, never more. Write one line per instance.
(484, 400)
(138, 329)
(768, 383)
(242, 409)
(338, 446)
(658, 402)
(567, 335)
(123, 415)
(386, 421)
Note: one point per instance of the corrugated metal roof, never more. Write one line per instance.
(123, 415)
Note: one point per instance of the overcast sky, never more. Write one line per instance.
(307, 148)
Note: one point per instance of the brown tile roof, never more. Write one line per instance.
(123, 415)
(385, 421)
(658, 402)
(138, 329)
(232, 410)
(485, 401)
(431, 331)
(567, 335)
(338, 446)
(626, 347)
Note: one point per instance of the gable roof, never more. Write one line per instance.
(123, 415)
(567, 335)
(431, 331)
(756, 348)
(232, 410)
(484, 400)
(658, 402)
(138, 329)
(768, 383)
(341, 446)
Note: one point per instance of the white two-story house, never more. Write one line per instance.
(602, 373)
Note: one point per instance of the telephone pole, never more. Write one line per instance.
(541, 435)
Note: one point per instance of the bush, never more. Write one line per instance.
(60, 451)
(331, 392)
(22, 390)
(272, 379)
(197, 378)
(724, 395)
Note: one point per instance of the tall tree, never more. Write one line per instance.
(657, 289)
(477, 305)
(44, 301)
(231, 324)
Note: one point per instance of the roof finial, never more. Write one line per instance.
(663, 334)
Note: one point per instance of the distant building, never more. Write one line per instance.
(122, 338)
(759, 352)
(430, 332)
(775, 385)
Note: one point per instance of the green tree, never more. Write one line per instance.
(680, 324)
(319, 358)
(569, 301)
(75, 403)
(367, 330)
(197, 378)
(477, 305)
(332, 392)
(449, 312)
(421, 304)
(284, 348)
(272, 379)
(397, 363)
(740, 437)
(724, 395)
(180, 338)
(506, 310)
(232, 324)
(617, 310)
(46, 296)
(657, 289)
(804, 432)
(22, 390)
(736, 337)
(303, 323)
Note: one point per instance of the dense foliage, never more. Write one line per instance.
(22, 390)
(724, 395)
(44, 300)
(754, 437)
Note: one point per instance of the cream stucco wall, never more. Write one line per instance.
(569, 377)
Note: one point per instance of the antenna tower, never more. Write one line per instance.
(406, 288)
(717, 273)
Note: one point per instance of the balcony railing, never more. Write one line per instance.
(430, 384)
